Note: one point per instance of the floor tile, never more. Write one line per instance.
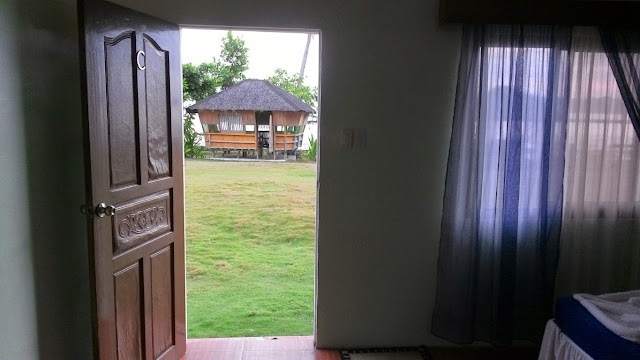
(274, 343)
(279, 355)
(264, 348)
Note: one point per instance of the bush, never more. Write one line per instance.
(191, 139)
(313, 148)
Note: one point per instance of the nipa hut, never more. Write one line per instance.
(253, 116)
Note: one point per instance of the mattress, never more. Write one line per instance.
(590, 335)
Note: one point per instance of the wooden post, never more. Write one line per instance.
(285, 143)
(255, 130)
(272, 135)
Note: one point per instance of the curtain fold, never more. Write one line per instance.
(600, 242)
(503, 194)
(623, 51)
(231, 121)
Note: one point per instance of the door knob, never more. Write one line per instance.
(103, 209)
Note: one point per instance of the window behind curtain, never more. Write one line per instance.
(498, 106)
(502, 205)
(600, 242)
(603, 151)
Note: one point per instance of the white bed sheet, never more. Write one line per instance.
(557, 346)
(618, 312)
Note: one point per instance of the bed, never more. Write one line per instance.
(576, 333)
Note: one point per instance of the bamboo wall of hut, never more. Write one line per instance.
(253, 115)
(230, 130)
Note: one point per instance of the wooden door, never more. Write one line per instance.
(133, 132)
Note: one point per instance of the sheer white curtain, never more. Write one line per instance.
(600, 239)
(231, 122)
(503, 194)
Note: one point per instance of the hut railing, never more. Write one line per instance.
(230, 141)
(288, 141)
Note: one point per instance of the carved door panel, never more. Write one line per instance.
(133, 137)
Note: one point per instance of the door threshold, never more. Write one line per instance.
(265, 347)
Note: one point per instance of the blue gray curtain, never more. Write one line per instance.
(623, 50)
(503, 198)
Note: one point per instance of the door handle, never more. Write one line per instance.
(103, 210)
(140, 65)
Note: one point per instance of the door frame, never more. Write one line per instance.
(316, 32)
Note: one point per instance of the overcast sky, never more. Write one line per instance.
(267, 51)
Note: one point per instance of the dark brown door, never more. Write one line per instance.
(133, 131)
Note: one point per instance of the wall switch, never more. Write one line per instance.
(360, 138)
(346, 140)
(353, 138)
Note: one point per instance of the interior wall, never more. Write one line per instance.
(46, 307)
(387, 67)
(18, 328)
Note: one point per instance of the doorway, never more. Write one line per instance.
(251, 202)
(264, 130)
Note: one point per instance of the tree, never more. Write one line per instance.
(294, 83)
(233, 60)
(200, 81)
(208, 78)
(305, 54)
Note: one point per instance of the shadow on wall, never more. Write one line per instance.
(50, 76)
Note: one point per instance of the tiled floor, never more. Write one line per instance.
(301, 348)
(280, 348)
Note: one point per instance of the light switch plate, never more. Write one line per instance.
(360, 138)
(353, 138)
(346, 140)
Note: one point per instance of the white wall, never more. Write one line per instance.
(388, 67)
(311, 130)
(18, 329)
(44, 302)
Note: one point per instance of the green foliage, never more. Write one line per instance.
(294, 129)
(294, 83)
(200, 81)
(311, 154)
(191, 139)
(249, 268)
(233, 60)
(210, 77)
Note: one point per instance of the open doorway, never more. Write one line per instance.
(251, 130)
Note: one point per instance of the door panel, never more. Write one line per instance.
(128, 312)
(121, 109)
(133, 110)
(162, 290)
(141, 220)
(158, 124)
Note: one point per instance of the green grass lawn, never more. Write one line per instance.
(250, 248)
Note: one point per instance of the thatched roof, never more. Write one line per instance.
(250, 94)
